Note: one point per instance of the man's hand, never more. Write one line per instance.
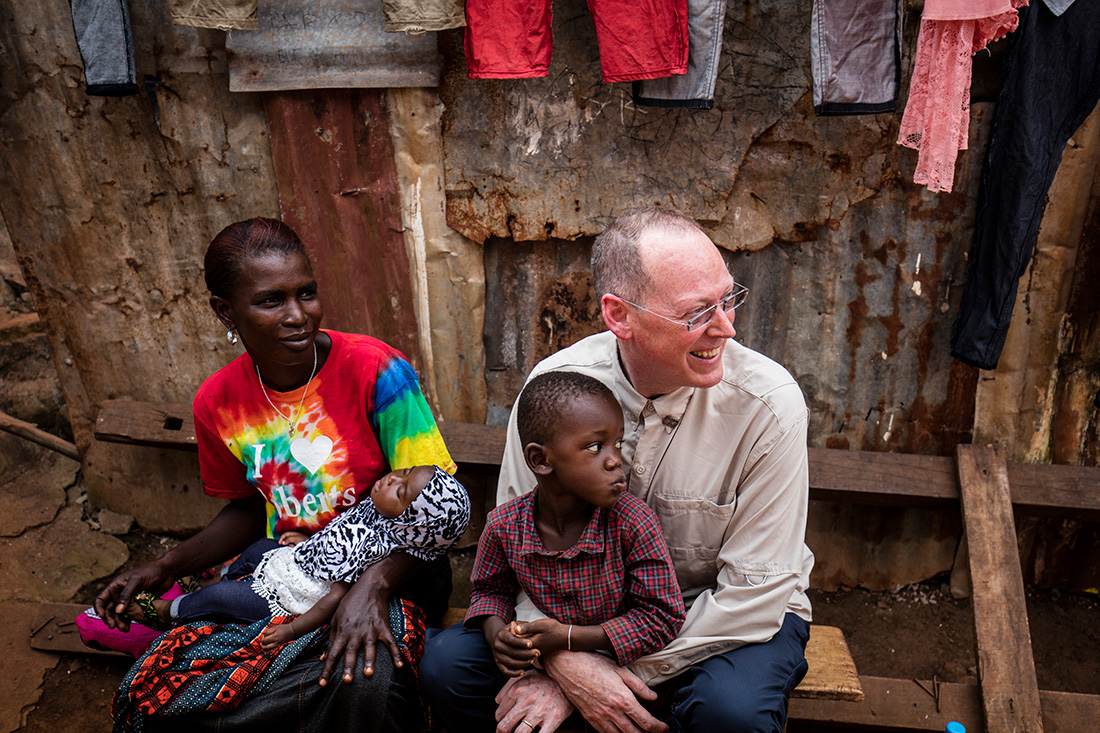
(531, 701)
(605, 693)
(360, 622)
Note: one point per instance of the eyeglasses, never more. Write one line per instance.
(728, 303)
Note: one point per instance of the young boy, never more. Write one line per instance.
(590, 556)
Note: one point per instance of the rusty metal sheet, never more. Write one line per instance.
(541, 299)
(315, 44)
(338, 187)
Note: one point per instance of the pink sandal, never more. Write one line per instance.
(95, 632)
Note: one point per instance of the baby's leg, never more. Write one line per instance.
(228, 600)
(316, 617)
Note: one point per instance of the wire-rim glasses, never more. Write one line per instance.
(728, 303)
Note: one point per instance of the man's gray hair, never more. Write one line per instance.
(616, 257)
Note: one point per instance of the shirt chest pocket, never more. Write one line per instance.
(694, 530)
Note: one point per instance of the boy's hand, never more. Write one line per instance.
(546, 634)
(512, 653)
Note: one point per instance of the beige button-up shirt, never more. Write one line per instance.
(725, 469)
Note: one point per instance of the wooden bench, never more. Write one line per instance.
(978, 480)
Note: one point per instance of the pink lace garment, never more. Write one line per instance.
(936, 122)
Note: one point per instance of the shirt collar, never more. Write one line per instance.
(670, 407)
(591, 540)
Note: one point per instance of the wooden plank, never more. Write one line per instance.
(886, 478)
(895, 703)
(53, 630)
(476, 444)
(837, 475)
(159, 424)
(1010, 691)
(832, 671)
(1043, 488)
(927, 706)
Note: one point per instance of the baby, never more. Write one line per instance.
(421, 511)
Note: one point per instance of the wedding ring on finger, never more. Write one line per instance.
(524, 721)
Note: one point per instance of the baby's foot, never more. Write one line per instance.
(276, 636)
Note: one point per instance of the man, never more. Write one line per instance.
(716, 443)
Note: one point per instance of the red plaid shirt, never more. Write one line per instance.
(618, 575)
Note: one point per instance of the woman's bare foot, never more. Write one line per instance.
(276, 636)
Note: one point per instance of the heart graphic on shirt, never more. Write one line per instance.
(312, 455)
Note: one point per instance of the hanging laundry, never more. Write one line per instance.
(106, 46)
(222, 15)
(512, 39)
(855, 54)
(419, 16)
(936, 121)
(1051, 83)
(694, 89)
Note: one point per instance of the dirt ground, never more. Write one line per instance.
(915, 632)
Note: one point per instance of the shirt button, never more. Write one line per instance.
(649, 407)
(639, 470)
(665, 667)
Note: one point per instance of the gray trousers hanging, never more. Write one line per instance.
(102, 30)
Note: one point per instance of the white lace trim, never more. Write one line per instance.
(287, 589)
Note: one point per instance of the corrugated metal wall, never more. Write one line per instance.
(855, 272)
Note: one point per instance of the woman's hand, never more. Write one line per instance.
(110, 605)
(363, 619)
(235, 527)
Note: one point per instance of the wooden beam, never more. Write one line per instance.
(884, 478)
(893, 479)
(159, 424)
(25, 430)
(924, 705)
(1006, 666)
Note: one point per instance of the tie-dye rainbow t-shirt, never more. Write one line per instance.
(363, 413)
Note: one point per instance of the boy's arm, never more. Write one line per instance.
(654, 605)
(550, 636)
(494, 582)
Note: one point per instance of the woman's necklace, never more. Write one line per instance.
(292, 419)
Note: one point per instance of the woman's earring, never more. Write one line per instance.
(231, 336)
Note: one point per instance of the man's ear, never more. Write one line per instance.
(537, 459)
(222, 311)
(615, 312)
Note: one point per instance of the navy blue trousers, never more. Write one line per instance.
(230, 599)
(743, 690)
(1051, 83)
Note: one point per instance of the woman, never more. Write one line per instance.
(292, 432)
